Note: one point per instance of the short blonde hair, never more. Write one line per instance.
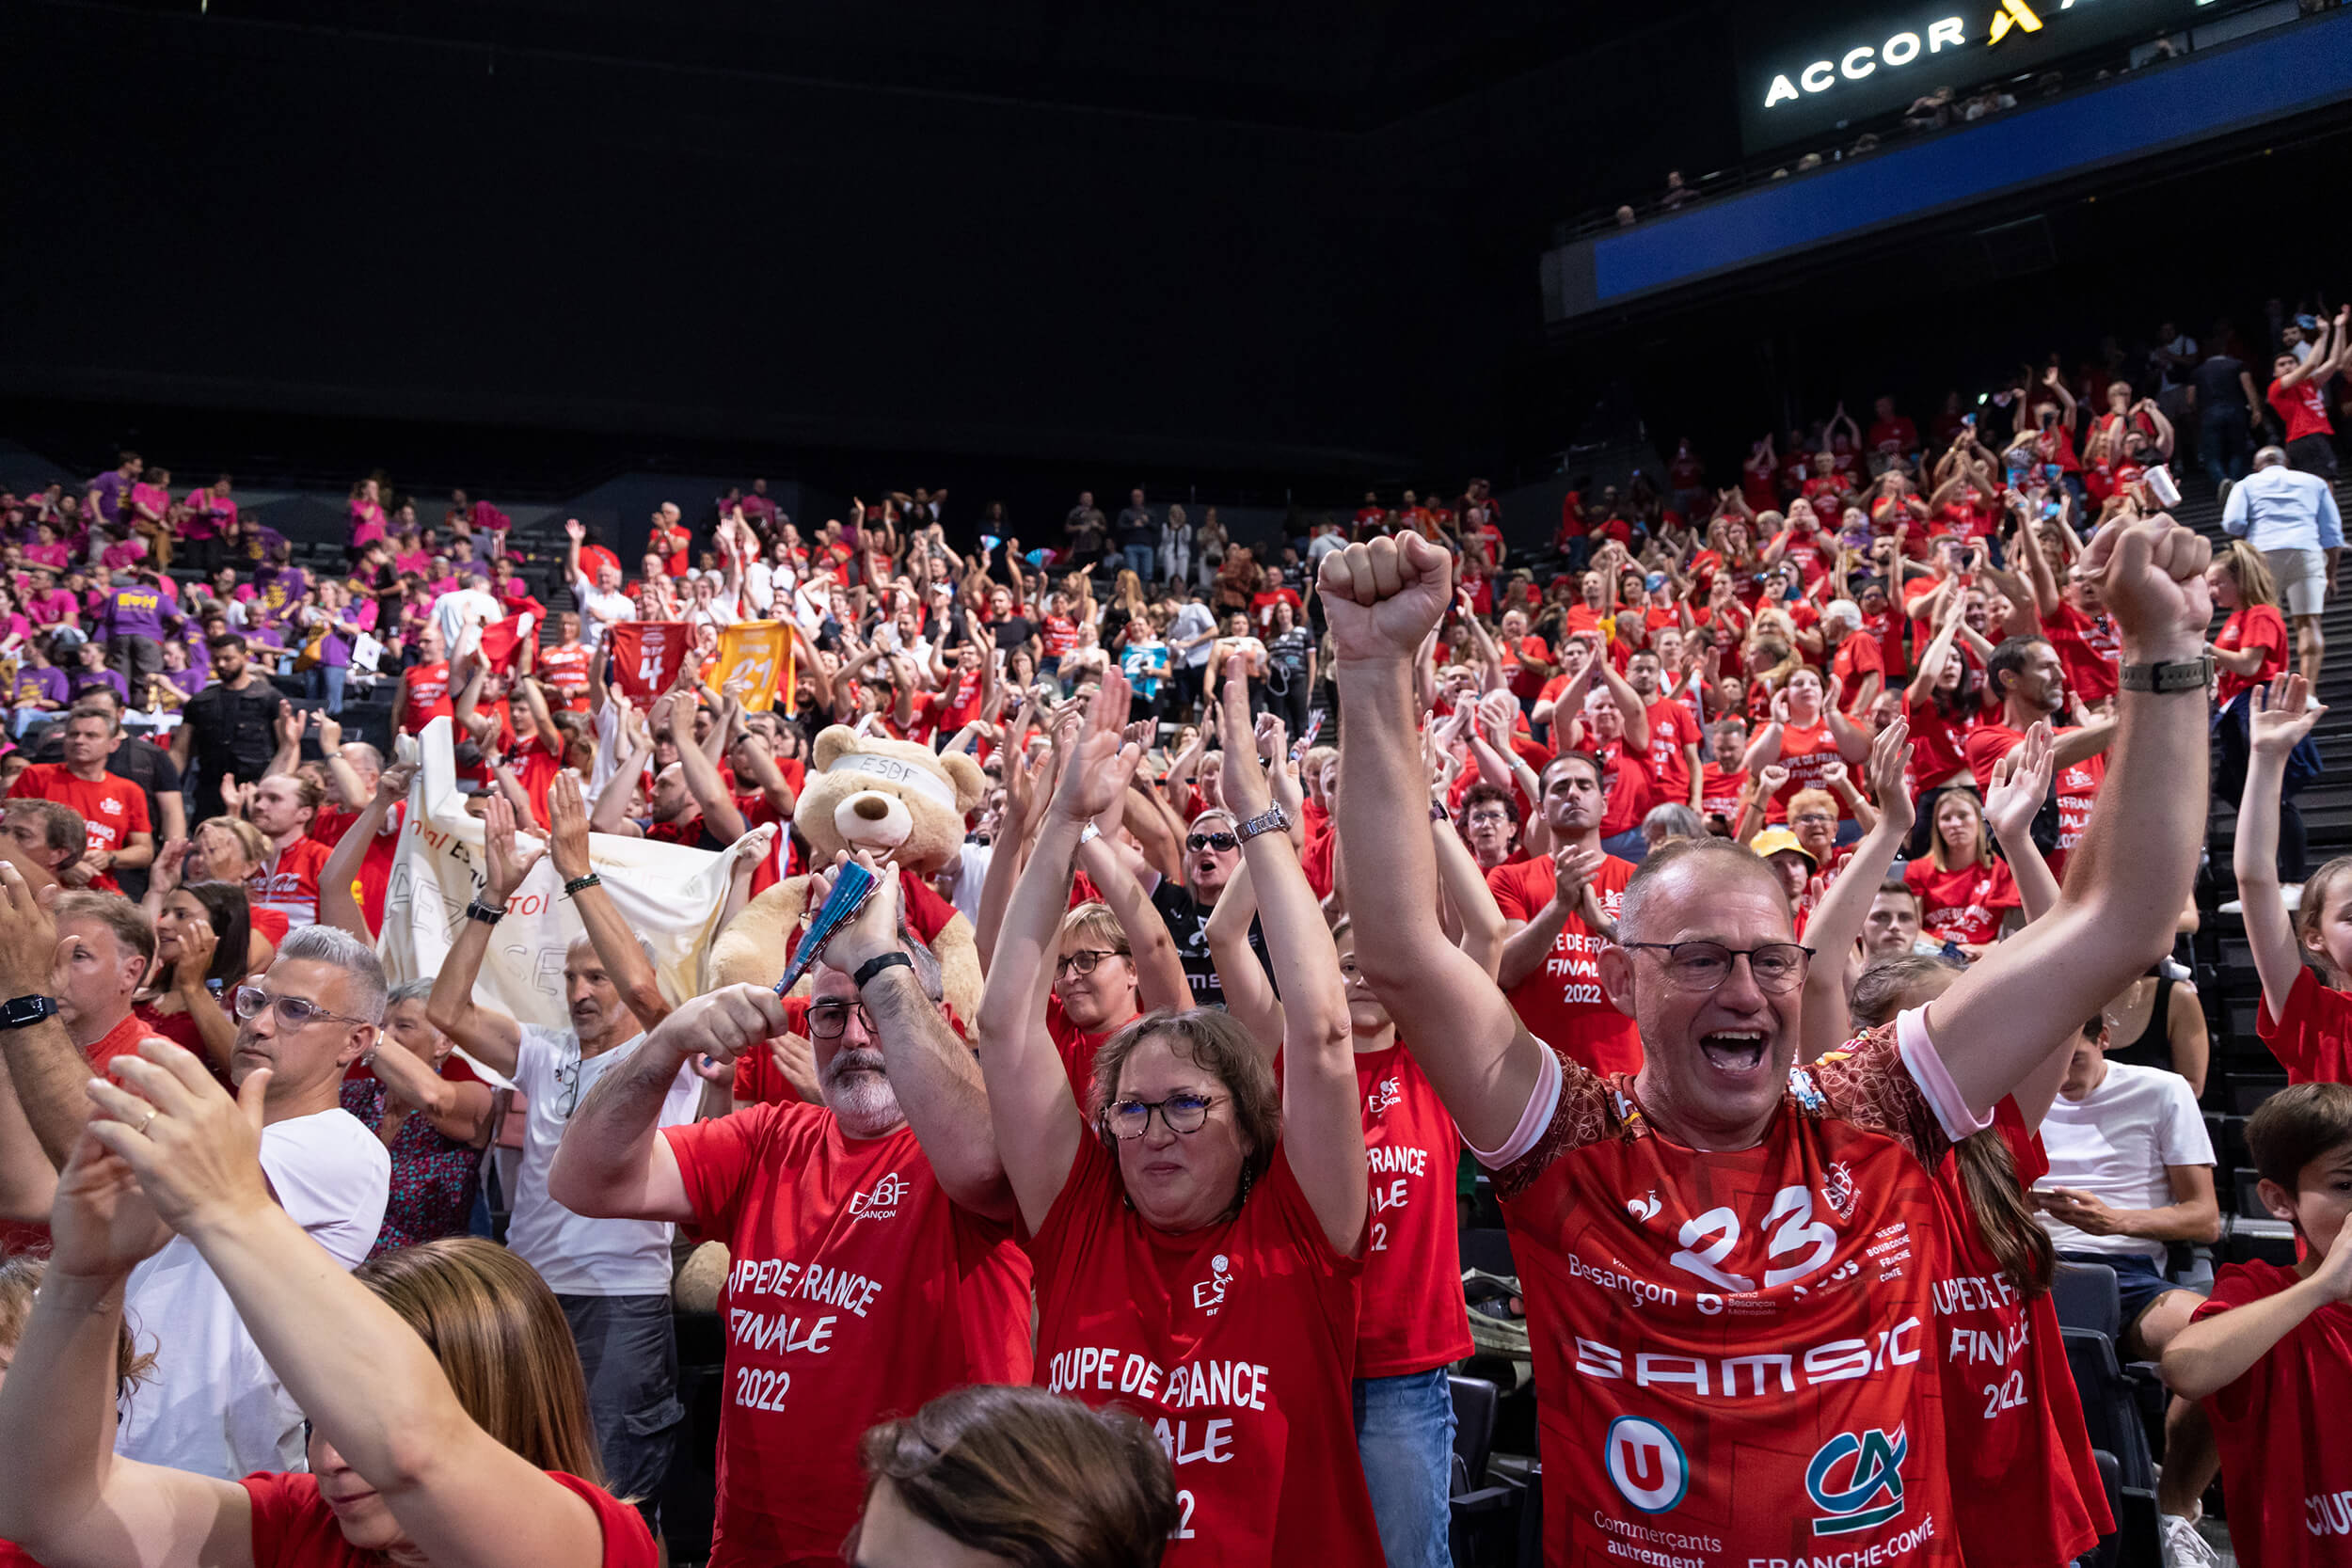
(1806, 798)
(1093, 923)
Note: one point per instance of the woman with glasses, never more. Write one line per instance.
(1198, 1239)
(445, 1419)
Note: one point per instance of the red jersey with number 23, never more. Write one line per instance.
(1732, 1349)
(856, 1290)
(1562, 1003)
(1236, 1341)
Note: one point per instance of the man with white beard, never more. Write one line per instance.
(872, 1260)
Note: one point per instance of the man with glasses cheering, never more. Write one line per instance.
(610, 1275)
(212, 1406)
(1729, 1257)
(872, 1257)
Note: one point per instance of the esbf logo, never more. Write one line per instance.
(1857, 1481)
(1646, 1463)
(1209, 1294)
(883, 1202)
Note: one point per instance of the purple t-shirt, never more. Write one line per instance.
(46, 684)
(274, 587)
(138, 611)
(90, 680)
(109, 487)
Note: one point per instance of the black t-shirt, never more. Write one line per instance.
(1187, 922)
(230, 732)
(1014, 633)
(2217, 386)
(1287, 652)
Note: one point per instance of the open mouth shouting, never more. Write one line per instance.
(1738, 1053)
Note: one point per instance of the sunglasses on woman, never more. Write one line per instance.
(1218, 841)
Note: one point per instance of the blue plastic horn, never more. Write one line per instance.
(852, 886)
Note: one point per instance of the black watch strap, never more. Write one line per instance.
(2193, 675)
(23, 1012)
(874, 966)
(477, 910)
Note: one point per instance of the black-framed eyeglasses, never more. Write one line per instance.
(826, 1019)
(1218, 841)
(1083, 961)
(1778, 966)
(1184, 1114)
(292, 1012)
(568, 1079)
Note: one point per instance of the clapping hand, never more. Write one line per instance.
(2281, 716)
(2021, 781)
(1889, 774)
(508, 863)
(1099, 758)
(1246, 792)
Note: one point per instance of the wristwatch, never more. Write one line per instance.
(2193, 675)
(1273, 819)
(23, 1012)
(488, 914)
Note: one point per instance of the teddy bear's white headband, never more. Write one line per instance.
(896, 773)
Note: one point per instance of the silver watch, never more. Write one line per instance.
(1273, 819)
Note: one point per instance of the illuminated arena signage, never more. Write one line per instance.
(1804, 75)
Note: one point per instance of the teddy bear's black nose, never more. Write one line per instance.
(872, 807)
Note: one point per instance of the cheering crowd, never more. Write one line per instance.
(1770, 888)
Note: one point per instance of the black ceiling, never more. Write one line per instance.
(1325, 64)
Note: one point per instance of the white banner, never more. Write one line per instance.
(671, 895)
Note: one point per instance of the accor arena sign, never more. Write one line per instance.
(1802, 75)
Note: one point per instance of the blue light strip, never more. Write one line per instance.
(2288, 71)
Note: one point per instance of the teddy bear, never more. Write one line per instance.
(899, 802)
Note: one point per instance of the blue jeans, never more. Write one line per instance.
(326, 680)
(1142, 559)
(2226, 442)
(629, 1350)
(1404, 1434)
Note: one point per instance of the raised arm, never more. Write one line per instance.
(1160, 980)
(487, 1035)
(2279, 719)
(2020, 783)
(1037, 1122)
(45, 1068)
(702, 775)
(1837, 921)
(1382, 598)
(366, 1380)
(1475, 911)
(2129, 877)
(608, 931)
(457, 1109)
(1322, 1128)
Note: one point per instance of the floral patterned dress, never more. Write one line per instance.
(434, 1175)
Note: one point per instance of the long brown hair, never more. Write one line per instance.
(1996, 1198)
(1038, 1480)
(502, 1343)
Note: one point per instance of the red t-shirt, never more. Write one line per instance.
(565, 665)
(1805, 750)
(1938, 744)
(2255, 625)
(424, 696)
(1887, 627)
(1413, 1317)
(375, 870)
(2088, 648)
(1076, 1047)
(2303, 406)
(288, 881)
(1720, 790)
(1732, 1350)
(2010, 1411)
(1964, 904)
(2076, 784)
(1625, 785)
(1562, 1003)
(1061, 635)
(2286, 1449)
(834, 1323)
(1236, 1341)
(112, 809)
(292, 1526)
(2313, 1041)
(1857, 657)
(1262, 606)
(1672, 728)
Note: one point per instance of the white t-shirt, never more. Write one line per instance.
(575, 1256)
(461, 608)
(598, 609)
(2115, 1142)
(1190, 621)
(212, 1406)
